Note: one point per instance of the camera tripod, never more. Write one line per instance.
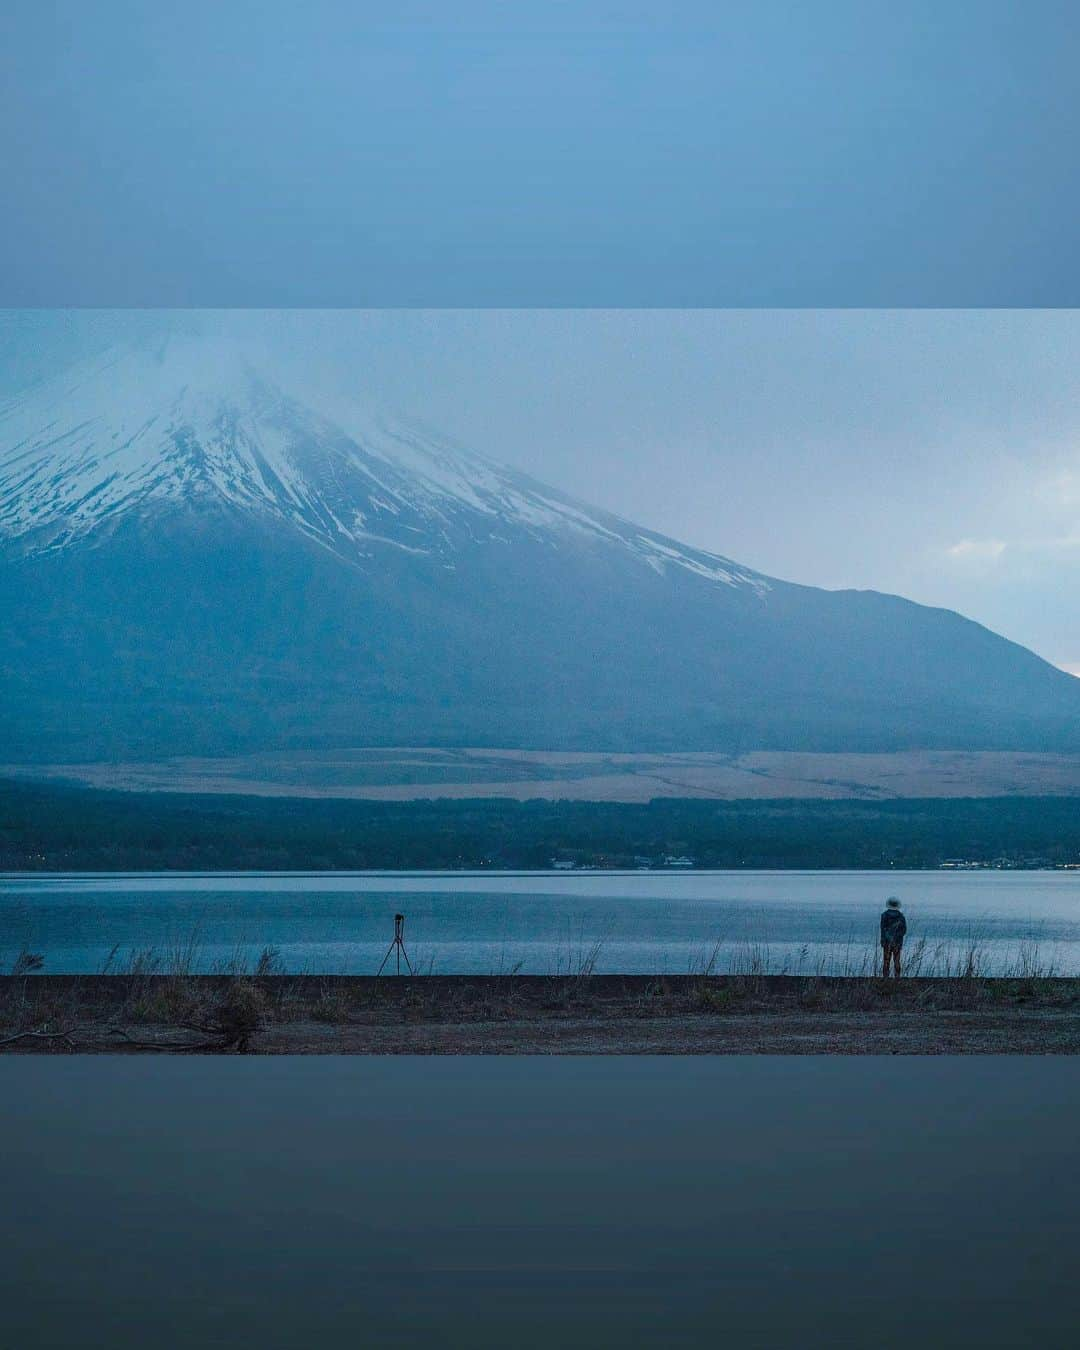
(397, 946)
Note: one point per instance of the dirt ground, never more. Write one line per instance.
(527, 1015)
(1028, 1033)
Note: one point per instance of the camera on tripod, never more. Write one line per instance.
(397, 947)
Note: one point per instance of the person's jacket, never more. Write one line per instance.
(893, 926)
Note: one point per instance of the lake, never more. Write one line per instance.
(542, 922)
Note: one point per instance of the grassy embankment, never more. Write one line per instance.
(161, 1005)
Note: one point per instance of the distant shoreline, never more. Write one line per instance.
(27, 873)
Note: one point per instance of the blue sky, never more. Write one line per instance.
(931, 453)
(546, 152)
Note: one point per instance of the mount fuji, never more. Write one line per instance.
(196, 559)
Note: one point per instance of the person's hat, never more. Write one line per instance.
(892, 902)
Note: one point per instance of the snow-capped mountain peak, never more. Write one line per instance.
(197, 423)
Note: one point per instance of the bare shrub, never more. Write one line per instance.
(26, 962)
(237, 1013)
(709, 996)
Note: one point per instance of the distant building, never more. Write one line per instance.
(683, 861)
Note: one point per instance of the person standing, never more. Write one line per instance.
(893, 928)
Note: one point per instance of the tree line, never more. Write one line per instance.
(61, 828)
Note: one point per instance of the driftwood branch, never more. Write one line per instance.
(35, 1034)
(73, 1038)
(224, 1024)
(175, 1047)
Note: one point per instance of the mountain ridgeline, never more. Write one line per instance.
(194, 560)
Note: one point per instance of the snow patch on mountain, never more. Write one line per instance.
(196, 423)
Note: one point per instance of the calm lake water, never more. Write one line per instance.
(542, 923)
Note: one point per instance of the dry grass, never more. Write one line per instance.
(167, 1000)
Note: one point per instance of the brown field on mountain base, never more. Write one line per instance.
(410, 774)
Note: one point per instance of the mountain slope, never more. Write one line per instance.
(198, 425)
(193, 560)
